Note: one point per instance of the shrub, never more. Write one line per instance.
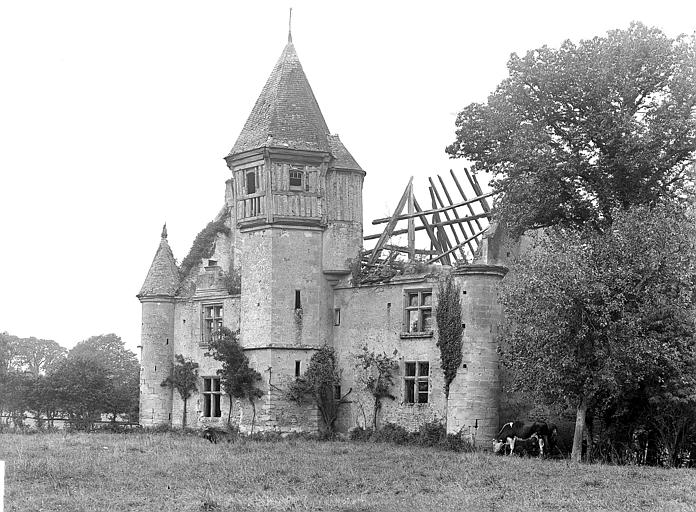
(360, 434)
(432, 433)
(392, 433)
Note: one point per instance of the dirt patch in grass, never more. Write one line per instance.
(145, 472)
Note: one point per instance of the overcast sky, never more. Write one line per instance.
(115, 117)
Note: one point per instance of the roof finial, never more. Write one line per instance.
(164, 231)
(290, 27)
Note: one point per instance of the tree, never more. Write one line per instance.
(448, 315)
(320, 382)
(590, 314)
(238, 380)
(376, 374)
(38, 356)
(81, 389)
(577, 133)
(123, 371)
(183, 378)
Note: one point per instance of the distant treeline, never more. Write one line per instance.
(39, 377)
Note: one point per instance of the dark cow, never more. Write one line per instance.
(517, 431)
(215, 435)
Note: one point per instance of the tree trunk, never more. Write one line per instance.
(229, 413)
(253, 415)
(183, 421)
(375, 410)
(576, 455)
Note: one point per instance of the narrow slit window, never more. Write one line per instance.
(297, 368)
(337, 316)
(298, 300)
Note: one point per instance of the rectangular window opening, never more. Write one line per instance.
(211, 397)
(337, 316)
(296, 178)
(416, 382)
(337, 392)
(297, 368)
(251, 182)
(212, 322)
(418, 311)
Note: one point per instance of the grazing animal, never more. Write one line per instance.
(215, 435)
(516, 431)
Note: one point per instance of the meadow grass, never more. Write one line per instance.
(168, 471)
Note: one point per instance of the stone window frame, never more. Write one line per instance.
(420, 307)
(208, 333)
(212, 397)
(251, 173)
(416, 382)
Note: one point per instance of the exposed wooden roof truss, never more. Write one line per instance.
(453, 225)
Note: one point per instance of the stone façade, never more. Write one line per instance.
(293, 209)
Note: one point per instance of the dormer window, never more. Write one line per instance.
(296, 179)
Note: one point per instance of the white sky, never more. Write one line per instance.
(115, 117)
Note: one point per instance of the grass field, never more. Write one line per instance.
(152, 472)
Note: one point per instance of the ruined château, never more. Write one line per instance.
(291, 225)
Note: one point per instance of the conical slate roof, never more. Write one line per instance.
(342, 157)
(287, 114)
(163, 277)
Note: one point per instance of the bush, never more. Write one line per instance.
(432, 433)
(360, 434)
(392, 433)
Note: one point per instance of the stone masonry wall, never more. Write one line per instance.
(373, 316)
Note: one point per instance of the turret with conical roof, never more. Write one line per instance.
(157, 335)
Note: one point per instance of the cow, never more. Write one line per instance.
(515, 431)
(215, 435)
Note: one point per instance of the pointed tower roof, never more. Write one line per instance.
(342, 157)
(286, 114)
(163, 277)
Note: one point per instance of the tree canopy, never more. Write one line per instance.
(591, 314)
(575, 133)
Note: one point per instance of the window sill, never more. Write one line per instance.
(408, 335)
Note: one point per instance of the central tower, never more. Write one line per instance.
(296, 195)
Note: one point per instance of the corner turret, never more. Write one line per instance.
(157, 335)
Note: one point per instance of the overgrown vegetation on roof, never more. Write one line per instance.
(203, 246)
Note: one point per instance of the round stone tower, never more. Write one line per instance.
(474, 400)
(157, 297)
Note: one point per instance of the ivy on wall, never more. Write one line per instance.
(448, 316)
(203, 246)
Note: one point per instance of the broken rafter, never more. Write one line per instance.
(439, 201)
(444, 254)
(398, 217)
(477, 189)
(391, 223)
(471, 209)
(436, 224)
(399, 248)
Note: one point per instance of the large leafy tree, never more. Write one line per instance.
(183, 378)
(237, 378)
(575, 133)
(80, 387)
(122, 368)
(590, 314)
(38, 356)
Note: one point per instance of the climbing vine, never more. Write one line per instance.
(376, 375)
(203, 246)
(448, 316)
